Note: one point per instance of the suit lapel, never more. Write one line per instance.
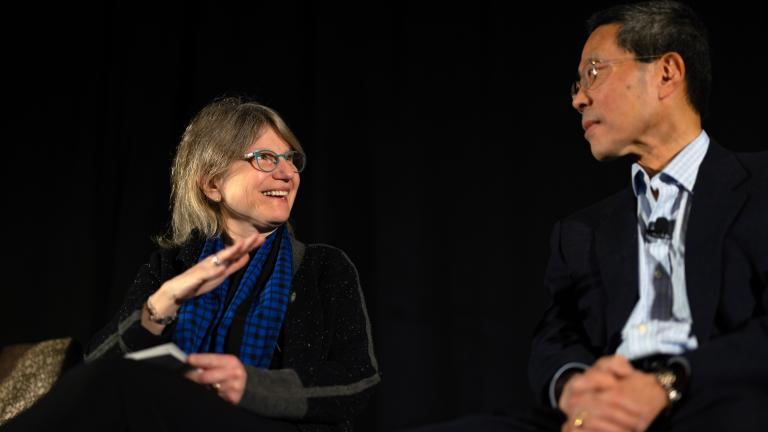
(716, 202)
(616, 251)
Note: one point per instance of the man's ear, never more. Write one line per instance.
(210, 187)
(671, 74)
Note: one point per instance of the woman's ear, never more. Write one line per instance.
(211, 189)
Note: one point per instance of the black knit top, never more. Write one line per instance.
(324, 369)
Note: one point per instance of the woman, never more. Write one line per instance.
(277, 330)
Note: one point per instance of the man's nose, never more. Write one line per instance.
(581, 100)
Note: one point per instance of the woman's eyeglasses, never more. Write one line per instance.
(267, 160)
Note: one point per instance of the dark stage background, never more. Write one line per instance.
(441, 143)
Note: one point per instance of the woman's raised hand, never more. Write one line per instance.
(210, 272)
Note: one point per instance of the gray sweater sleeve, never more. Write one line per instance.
(124, 333)
(336, 388)
(281, 394)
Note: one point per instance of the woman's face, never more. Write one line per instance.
(253, 200)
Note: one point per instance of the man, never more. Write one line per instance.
(660, 292)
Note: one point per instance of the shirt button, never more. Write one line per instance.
(642, 328)
(293, 297)
(657, 274)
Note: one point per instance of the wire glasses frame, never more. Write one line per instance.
(595, 72)
(267, 160)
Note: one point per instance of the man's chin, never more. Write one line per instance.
(601, 153)
(606, 157)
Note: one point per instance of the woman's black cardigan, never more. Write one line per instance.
(325, 368)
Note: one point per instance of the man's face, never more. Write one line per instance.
(617, 110)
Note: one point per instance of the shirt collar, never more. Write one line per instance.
(682, 169)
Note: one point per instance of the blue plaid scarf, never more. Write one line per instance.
(265, 316)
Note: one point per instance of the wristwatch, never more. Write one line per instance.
(668, 381)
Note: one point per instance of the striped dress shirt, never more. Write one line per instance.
(642, 335)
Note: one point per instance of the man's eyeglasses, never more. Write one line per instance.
(267, 160)
(595, 72)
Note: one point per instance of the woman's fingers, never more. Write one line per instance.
(223, 372)
(217, 267)
(209, 273)
(236, 250)
(210, 376)
(206, 360)
(254, 241)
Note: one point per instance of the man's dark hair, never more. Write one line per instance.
(658, 27)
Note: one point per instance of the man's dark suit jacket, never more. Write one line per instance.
(592, 277)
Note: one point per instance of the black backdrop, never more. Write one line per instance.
(441, 145)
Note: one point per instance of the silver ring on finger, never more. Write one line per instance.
(216, 260)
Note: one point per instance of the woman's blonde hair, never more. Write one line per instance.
(217, 136)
